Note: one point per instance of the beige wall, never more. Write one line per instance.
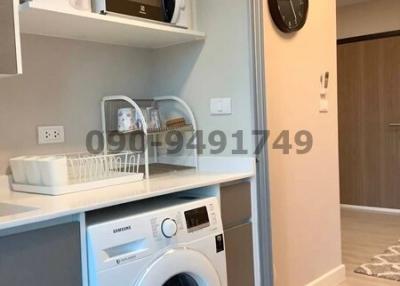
(375, 16)
(304, 188)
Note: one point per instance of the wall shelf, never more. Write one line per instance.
(190, 160)
(164, 130)
(37, 19)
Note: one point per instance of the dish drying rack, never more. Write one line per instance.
(87, 171)
(149, 134)
(84, 168)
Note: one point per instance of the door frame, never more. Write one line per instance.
(260, 123)
(368, 37)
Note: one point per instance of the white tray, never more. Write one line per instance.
(73, 188)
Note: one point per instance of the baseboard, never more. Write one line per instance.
(371, 209)
(331, 278)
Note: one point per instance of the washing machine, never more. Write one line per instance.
(175, 241)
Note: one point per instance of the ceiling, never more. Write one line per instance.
(341, 3)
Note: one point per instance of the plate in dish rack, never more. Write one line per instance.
(79, 187)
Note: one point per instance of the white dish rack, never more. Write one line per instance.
(150, 135)
(82, 171)
(83, 168)
(88, 171)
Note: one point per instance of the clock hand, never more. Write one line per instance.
(294, 12)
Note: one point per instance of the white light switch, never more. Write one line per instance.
(221, 106)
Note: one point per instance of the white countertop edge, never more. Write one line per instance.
(53, 207)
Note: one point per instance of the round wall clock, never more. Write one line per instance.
(289, 15)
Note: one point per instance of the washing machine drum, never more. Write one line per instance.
(180, 267)
(182, 279)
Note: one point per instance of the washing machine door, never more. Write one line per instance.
(180, 267)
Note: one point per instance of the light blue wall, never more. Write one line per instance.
(64, 81)
(218, 67)
(62, 84)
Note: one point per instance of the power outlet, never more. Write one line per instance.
(51, 134)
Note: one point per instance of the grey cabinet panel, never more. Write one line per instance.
(43, 257)
(236, 203)
(239, 255)
(9, 38)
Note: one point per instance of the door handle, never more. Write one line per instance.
(394, 124)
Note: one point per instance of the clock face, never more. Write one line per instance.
(289, 15)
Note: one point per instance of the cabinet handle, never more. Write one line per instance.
(394, 124)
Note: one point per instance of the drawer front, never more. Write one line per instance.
(46, 257)
(236, 204)
(239, 255)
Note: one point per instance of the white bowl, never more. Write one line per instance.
(53, 170)
(18, 169)
(32, 171)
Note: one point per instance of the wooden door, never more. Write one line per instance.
(10, 47)
(369, 122)
(391, 117)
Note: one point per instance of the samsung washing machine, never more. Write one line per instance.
(161, 242)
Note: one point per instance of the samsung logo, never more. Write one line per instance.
(122, 229)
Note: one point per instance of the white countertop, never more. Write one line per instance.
(51, 207)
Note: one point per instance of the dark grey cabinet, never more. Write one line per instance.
(10, 46)
(44, 257)
(236, 217)
(239, 255)
(235, 203)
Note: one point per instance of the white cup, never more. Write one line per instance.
(126, 120)
(18, 169)
(32, 171)
(53, 170)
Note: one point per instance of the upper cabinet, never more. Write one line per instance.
(10, 45)
(38, 17)
(49, 18)
(60, 19)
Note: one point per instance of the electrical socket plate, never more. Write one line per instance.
(221, 106)
(50, 134)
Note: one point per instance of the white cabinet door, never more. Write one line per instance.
(10, 43)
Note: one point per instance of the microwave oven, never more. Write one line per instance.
(175, 12)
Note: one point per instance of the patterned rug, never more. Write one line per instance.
(386, 265)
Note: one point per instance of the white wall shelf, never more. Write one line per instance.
(163, 159)
(37, 19)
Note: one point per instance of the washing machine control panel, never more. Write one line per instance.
(124, 236)
(184, 223)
